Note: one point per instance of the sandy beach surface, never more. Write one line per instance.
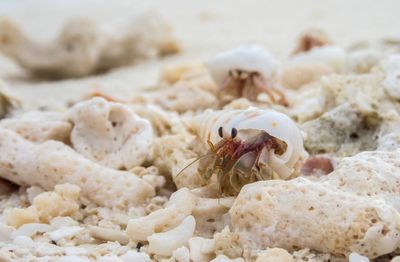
(202, 27)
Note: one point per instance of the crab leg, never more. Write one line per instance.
(228, 81)
(271, 91)
(106, 97)
(234, 181)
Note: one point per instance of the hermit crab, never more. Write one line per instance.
(246, 71)
(247, 146)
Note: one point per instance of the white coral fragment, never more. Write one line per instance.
(181, 254)
(109, 234)
(165, 243)
(64, 232)
(362, 61)
(201, 249)
(45, 206)
(39, 126)
(110, 133)
(179, 206)
(31, 229)
(84, 47)
(6, 232)
(135, 256)
(222, 258)
(356, 205)
(354, 257)
(274, 255)
(391, 83)
(51, 163)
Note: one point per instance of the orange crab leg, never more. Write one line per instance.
(106, 97)
(271, 92)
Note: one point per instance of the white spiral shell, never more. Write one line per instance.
(251, 58)
(274, 123)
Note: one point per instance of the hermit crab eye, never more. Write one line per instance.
(220, 132)
(233, 132)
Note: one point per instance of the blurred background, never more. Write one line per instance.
(202, 29)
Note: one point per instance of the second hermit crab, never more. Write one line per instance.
(246, 72)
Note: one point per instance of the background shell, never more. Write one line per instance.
(248, 58)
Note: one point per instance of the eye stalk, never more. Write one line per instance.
(221, 132)
(233, 132)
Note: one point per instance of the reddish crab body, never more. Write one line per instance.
(240, 83)
(236, 162)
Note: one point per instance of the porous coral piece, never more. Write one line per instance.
(17, 217)
(201, 249)
(391, 83)
(110, 133)
(47, 205)
(210, 213)
(306, 103)
(37, 126)
(51, 163)
(345, 130)
(274, 255)
(173, 73)
(227, 243)
(171, 154)
(389, 135)
(176, 98)
(363, 61)
(356, 205)
(369, 174)
(84, 47)
(62, 202)
(364, 90)
(74, 53)
(160, 41)
(363, 56)
(198, 87)
(163, 122)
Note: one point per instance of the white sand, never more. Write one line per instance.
(203, 27)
